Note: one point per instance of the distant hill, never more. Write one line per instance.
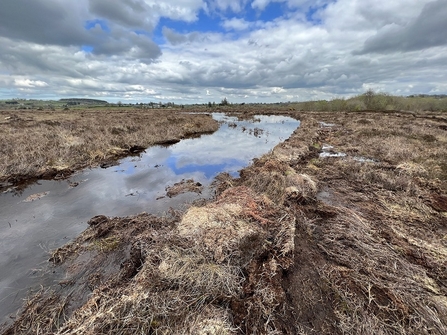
(78, 101)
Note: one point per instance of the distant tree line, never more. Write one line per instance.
(371, 100)
(79, 101)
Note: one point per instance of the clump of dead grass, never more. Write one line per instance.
(278, 181)
(412, 169)
(186, 285)
(222, 182)
(45, 313)
(373, 281)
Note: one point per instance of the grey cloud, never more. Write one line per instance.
(23, 59)
(42, 21)
(128, 13)
(56, 22)
(427, 30)
(128, 44)
(175, 38)
(146, 52)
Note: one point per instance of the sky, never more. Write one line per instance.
(195, 51)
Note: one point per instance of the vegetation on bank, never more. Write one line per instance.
(376, 102)
(37, 144)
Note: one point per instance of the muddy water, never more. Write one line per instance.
(48, 214)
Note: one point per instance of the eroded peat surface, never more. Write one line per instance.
(298, 243)
(50, 213)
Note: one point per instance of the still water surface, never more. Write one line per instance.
(29, 230)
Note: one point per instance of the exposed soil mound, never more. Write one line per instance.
(184, 186)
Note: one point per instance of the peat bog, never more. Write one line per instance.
(297, 243)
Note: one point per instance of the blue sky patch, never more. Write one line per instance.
(209, 171)
(204, 23)
(311, 17)
(213, 23)
(273, 11)
(87, 48)
(312, 14)
(92, 23)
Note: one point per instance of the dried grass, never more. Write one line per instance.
(182, 279)
(382, 235)
(45, 312)
(371, 262)
(40, 143)
(378, 290)
(279, 182)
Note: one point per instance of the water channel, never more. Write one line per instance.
(48, 214)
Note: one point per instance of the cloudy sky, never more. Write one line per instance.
(193, 51)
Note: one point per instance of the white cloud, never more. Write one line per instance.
(233, 5)
(236, 24)
(23, 82)
(284, 59)
(260, 4)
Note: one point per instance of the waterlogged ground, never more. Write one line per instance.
(348, 242)
(48, 214)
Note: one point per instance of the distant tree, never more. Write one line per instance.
(119, 103)
(210, 104)
(368, 98)
(224, 102)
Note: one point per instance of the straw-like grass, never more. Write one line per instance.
(50, 143)
(300, 244)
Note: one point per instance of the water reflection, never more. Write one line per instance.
(28, 230)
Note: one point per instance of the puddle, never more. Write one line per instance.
(328, 151)
(332, 154)
(364, 159)
(59, 210)
(327, 125)
(325, 196)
